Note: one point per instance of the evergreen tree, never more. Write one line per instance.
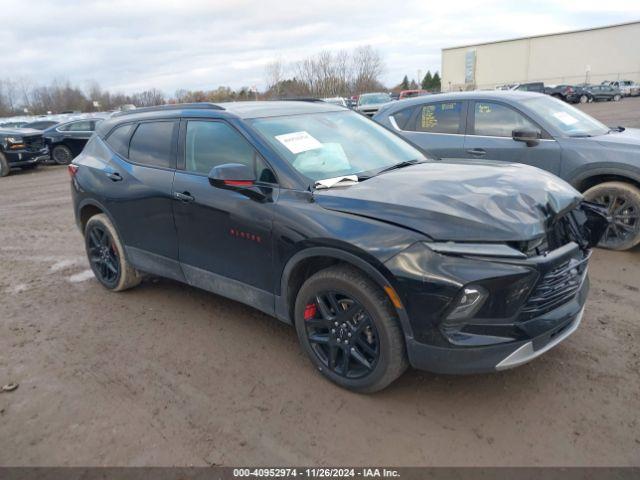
(436, 82)
(427, 81)
(405, 83)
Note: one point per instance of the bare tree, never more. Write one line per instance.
(368, 68)
(274, 73)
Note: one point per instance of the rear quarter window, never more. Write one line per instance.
(118, 140)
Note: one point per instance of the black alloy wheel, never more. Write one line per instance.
(342, 334)
(103, 255)
(625, 219)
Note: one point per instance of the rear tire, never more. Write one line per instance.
(623, 202)
(365, 312)
(4, 166)
(106, 255)
(616, 98)
(62, 155)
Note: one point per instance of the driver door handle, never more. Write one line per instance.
(184, 197)
(114, 176)
(477, 152)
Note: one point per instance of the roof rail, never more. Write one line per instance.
(174, 106)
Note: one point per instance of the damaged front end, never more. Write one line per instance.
(584, 225)
(477, 307)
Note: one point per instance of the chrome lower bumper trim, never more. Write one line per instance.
(526, 353)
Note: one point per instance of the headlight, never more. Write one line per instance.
(477, 249)
(469, 302)
(15, 142)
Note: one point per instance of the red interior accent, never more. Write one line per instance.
(310, 311)
(72, 169)
(239, 183)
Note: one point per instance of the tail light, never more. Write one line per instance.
(72, 169)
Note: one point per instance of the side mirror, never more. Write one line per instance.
(530, 137)
(232, 176)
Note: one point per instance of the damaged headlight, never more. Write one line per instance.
(15, 142)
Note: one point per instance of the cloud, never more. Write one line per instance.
(195, 44)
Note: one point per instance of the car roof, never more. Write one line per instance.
(262, 109)
(513, 95)
(243, 110)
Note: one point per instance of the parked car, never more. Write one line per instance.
(369, 103)
(530, 87)
(21, 148)
(525, 87)
(604, 92)
(601, 162)
(13, 124)
(41, 124)
(336, 101)
(67, 140)
(627, 88)
(314, 214)
(561, 92)
(412, 93)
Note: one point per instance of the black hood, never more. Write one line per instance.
(460, 201)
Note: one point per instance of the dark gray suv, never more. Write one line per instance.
(531, 128)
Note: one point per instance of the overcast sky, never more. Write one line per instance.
(201, 44)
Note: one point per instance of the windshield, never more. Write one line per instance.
(371, 98)
(333, 144)
(568, 120)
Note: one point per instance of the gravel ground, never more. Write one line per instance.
(166, 374)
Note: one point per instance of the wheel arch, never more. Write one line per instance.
(310, 260)
(589, 179)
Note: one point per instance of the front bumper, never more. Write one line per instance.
(562, 322)
(21, 158)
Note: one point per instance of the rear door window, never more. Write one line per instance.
(153, 144)
(497, 120)
(442, 117)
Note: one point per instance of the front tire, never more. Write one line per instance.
(616, 98)
(622, 200)
(62, 155)
(4, 166)
(106, 255)
(583, 99)
(349, 329)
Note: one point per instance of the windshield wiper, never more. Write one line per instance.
(396, 166)
(581, 135)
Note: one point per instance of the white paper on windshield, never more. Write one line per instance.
(298, 142)
(565, 118)
(337, 181)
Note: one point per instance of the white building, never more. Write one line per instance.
(592, 55)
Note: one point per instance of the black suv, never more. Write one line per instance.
(21, 148)
(312, 213)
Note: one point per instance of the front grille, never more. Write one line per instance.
(34, 143)
(556, 287)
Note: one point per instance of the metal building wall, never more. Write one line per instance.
(594, 55)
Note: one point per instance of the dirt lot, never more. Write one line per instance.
(169, 375)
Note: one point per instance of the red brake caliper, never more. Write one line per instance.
(310, 311)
